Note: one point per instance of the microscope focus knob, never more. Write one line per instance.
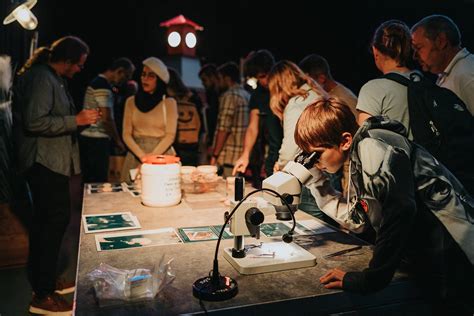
(254, 216)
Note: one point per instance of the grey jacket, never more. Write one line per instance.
(398, 188)
(44, 122)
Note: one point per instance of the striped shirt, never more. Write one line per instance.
(233, 118)
(99, 94)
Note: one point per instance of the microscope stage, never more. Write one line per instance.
(270, 257)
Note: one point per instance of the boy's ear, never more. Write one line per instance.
(346, 141)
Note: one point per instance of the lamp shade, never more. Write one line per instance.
(23, 15)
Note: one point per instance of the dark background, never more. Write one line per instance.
(338, 30)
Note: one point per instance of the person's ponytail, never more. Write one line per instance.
(40, 56)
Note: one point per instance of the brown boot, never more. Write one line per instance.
(53, 304)
(65, 287)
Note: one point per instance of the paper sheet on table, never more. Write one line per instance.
(137, 239)
(105, 222)
(311, 227)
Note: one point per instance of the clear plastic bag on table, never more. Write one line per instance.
(111, 283)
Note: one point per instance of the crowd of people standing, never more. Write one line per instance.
(367, 159)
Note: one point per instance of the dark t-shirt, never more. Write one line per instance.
(211, 114)
(269, 125)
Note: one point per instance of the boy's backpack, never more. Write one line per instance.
(189, 123)
(441, 123)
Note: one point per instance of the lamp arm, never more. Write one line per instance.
(237, 206)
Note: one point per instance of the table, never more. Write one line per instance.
(278, 293)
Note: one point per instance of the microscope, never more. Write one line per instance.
(281, 196)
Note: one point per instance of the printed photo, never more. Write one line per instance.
(226, 235)
(95, 223)
(192, 234)
(311, 227)
(137, 239)
(274, 229)
(103, 187)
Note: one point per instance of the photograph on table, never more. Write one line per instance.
(135, 193)
(137, 239)
(202, 233)
(274, 229)
(303, 227)
(95, 223)
(226, 235)
(103, 187)
(311, 227)
(133, 189)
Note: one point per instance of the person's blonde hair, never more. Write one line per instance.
(322, 124)
(284, 82)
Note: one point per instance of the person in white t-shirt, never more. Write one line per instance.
(436, 41)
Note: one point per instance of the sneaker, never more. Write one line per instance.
(53, 304)
(65, 287)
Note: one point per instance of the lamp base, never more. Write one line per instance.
(205, 289)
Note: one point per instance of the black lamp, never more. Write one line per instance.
(216, 287)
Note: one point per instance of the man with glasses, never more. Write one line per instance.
(436, 42)
(44, 125)
(95, 140)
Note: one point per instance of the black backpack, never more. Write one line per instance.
(441, 123)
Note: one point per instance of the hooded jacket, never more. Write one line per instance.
(418, 209)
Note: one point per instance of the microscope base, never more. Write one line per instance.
(260, 260)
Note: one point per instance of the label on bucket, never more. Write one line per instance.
(161, 186)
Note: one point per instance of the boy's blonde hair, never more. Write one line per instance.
(322, 124)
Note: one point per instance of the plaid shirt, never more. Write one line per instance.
(233, 118)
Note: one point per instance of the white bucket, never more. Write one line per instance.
(161, 184)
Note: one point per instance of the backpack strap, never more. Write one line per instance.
(397, 78)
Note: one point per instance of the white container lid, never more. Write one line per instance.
(207, 169)
(187, 169)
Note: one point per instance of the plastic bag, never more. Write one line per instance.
(111, 283)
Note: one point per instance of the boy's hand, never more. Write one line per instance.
(333, 279)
